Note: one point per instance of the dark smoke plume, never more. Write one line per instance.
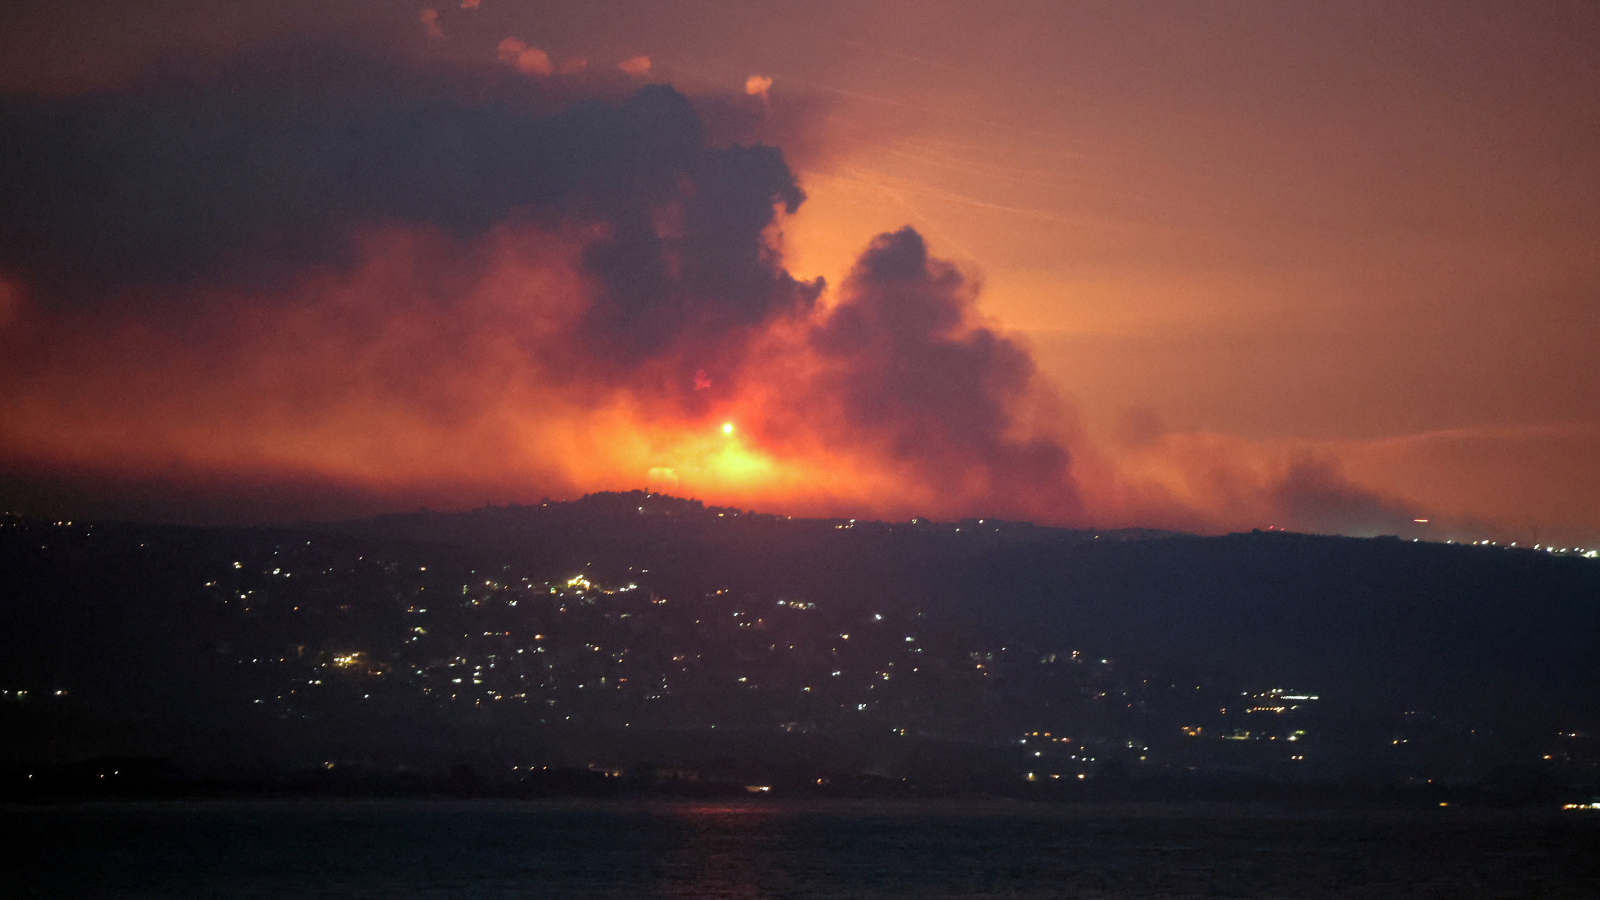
(244, 177)
(907, 366)
(241, 227)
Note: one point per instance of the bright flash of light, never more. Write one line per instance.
(727, 428)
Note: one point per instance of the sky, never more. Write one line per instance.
(1318, 266)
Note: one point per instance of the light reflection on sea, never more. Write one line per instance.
(402, 850)
(728, 851)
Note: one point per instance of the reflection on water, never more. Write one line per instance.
(863, 851)
(728, 852)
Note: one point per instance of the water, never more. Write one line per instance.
(422, 849)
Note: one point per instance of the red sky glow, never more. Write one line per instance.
(1323, 266)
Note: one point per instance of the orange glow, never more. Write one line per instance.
(343, 388)
(345, 383)
(1286, 269)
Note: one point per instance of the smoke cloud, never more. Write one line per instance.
(911, 373)
(430, 21)
(528, 60)
(248, 177)
(352, 284)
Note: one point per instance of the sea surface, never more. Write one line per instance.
(399, 850)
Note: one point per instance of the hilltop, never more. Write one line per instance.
(653, 640)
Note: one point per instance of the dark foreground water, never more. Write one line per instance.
(404, 850)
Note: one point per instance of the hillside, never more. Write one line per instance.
(652, 639)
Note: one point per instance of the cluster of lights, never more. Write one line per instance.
(1274, 697)
(1580, 551)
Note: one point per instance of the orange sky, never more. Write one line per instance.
(1238, 238)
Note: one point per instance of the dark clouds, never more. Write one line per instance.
(218, 193)
(266, 165)
(243, 176)
(907, 366)
(1314, 495)
(215, 192)
(705, 274)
